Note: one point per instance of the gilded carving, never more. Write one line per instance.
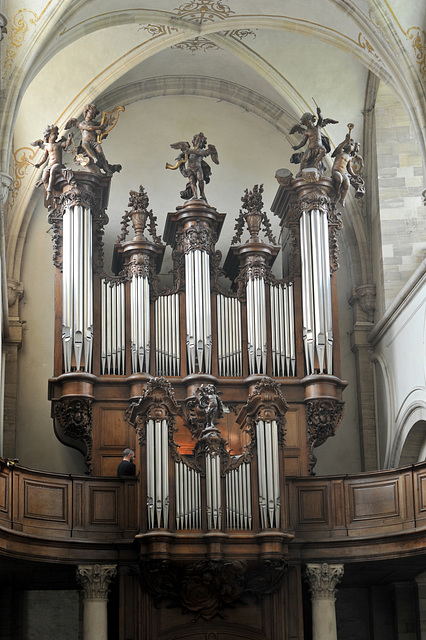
(323, 418)
(96, 579)
(206, 588)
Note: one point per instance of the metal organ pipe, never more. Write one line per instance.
(157, 473)
(256, 325)
(77, 297)
(198, 311)
(283, 339)
(238, 496)
(229, 344)
(112, 327)
(140, 324)
(268, 473)
(167, 345)
(316, 292)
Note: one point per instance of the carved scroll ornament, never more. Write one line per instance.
(267, 403)
(323, 419)
(156, 403)
(75, 418)
(206, 588)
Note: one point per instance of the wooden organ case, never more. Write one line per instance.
(222, 393)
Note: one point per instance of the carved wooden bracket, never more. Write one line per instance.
(74, 419)
(323, 417)
(206, 588)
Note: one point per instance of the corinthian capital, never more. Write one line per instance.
(323, 579)
(95, 579)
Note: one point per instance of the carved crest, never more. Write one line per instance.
(206, 588)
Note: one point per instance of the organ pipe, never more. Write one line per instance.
(77, 293)
(316, 292)
(198, 311)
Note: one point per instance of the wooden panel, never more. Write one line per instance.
(5, 505)
(374, 500)
(104, 505)
(293, 428)
(292, 466)
(420, 493)
(46, 501)
(109, 464)
(313, 505)
(114, 431)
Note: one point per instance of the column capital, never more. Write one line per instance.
(323, 579)
(95, 579)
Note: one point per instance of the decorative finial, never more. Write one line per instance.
(252, 214)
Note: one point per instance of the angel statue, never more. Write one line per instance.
(89, 151)
(192, 166)
(52, 148)
(342, 173)
(318, 143)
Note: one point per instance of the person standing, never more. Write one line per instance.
(127, 466)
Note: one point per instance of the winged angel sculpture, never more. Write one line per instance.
(90, 150)
(192, 165)
(318, 143)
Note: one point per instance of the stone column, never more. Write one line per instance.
(322, 580)
(95, 580)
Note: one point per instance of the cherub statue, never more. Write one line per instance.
(318, 143)
(90, 148)
(342, 172)
(210, 403)
(192, 166)
(52, 148)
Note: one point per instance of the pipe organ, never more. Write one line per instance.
(223, 392)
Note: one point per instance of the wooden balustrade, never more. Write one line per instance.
(344, 516)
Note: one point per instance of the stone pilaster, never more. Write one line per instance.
(363, 304)
(95, 580)
(322, 580)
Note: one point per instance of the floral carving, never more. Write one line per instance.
(334, 225)
(323, 418)
(251, 213)
(139, 215)
(75, 418)
(95, 579)
(323, 578)
(206, 588)
(197, 237)
(267, 403)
